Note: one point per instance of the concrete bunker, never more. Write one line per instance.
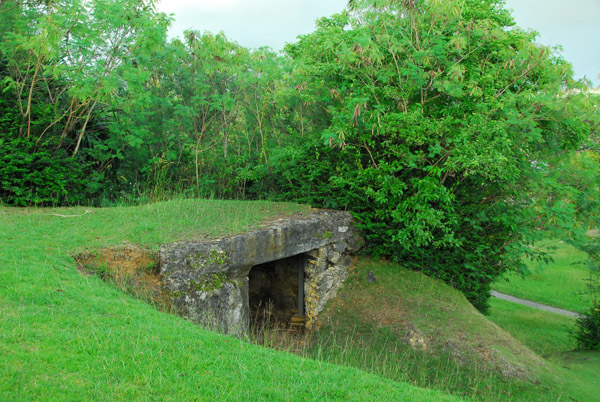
(296, 265)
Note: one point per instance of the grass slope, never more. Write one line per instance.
(408, 327)
(562, 283)
(545, 333)
(576, 373)
(65, 336)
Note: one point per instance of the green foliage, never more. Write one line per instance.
(64, 63)
(588, 330)
(207, 283)
(440, 115)
(30, 176)
(208, 114)
(300, 173)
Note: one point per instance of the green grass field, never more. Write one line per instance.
(549, 335)
(545, 333)
(561, 283)
(69, 337)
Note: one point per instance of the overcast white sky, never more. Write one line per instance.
(573, 24)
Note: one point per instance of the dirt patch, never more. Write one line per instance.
(131, 268)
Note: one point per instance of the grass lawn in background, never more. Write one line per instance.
(561, 283)
(545, 333)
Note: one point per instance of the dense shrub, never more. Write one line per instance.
(588, 330)
(31, 176)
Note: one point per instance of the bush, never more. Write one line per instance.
(33, 176)
(588, 330)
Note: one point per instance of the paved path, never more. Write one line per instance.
(534, 304)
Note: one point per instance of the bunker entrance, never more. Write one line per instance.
(276, 292)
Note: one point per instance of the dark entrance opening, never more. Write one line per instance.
(276, 291)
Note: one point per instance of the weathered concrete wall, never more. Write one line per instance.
(208, 280)
(324, 275)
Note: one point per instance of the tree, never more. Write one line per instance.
(441, 115)
(65, 62)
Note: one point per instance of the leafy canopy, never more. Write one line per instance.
(441, 115)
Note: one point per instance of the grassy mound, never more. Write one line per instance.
(411, 328)
(67, 336)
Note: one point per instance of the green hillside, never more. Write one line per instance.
(408, 327)
(69, 337)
